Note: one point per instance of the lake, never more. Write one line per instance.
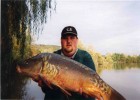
(124, 78)
(125, 81)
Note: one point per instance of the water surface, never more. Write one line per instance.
(127, 82)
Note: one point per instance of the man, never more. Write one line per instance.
(69, 41)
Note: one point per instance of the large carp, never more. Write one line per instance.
(68, 75)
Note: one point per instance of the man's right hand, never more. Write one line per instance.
(40, 82)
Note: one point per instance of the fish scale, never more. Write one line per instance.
(68, 75)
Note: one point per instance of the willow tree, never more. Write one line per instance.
(19, 18)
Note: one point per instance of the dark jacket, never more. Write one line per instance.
(56, 94)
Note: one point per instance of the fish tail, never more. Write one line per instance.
(116, 96)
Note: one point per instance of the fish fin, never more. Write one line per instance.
(63, 90)
(48, 84)
(92, 92)
(99, 97)
(45, 81)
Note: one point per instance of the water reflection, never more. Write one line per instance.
(33, 91)
(16, 86)
(124, 78)
(117, 66)
(12, 85)
(125, 81)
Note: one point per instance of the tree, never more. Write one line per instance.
(16, 17)
(138, 59)
(109, 58)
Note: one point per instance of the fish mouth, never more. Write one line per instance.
(18, 69)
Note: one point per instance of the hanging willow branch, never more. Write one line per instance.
(20, 15)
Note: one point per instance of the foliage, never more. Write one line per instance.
(35, 49)
(121, 58)
(97, 57)
(109, 60)
(19, 19)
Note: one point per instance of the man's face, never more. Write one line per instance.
(69, 43)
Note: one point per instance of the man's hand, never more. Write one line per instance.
(40, 82)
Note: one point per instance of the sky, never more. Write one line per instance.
(109, 26)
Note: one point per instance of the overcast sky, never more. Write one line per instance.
(109, 26)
